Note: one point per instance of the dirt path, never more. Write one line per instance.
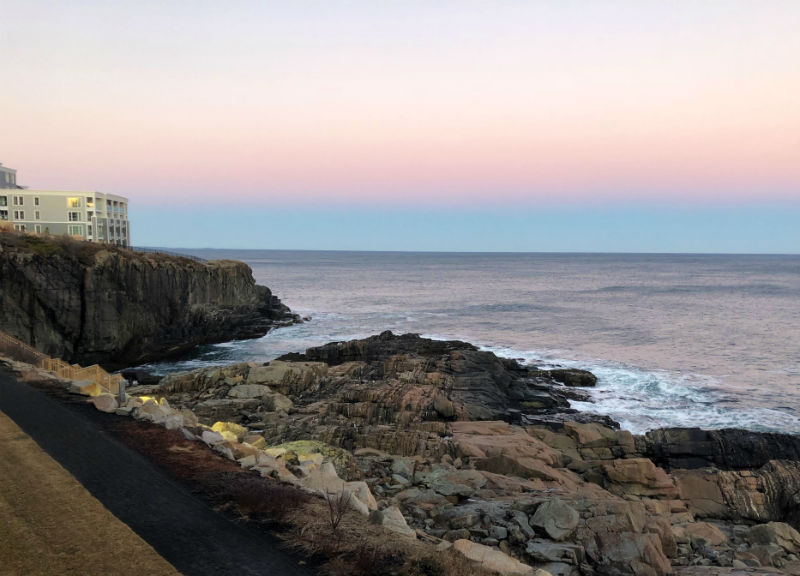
(50, 524)
(178, 525)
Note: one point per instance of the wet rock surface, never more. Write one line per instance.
(436, 440)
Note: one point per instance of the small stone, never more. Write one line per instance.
(498, 532)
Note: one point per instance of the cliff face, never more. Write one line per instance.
(90, 304)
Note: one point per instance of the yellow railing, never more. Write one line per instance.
(106, 382)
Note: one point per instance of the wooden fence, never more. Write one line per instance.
(20, 351)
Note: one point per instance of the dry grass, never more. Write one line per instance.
(50, 524)
(359, 548)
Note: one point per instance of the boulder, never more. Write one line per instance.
(174, 421)
(104, 403)
(152, 412)
(361, 492)
(212, 438)
(248, 391)
(189, 418)
(706, 532)
(323, 480)
(491, 559)
(393, 519)
(778, 533)
(556, 518)
(230, 431)
(573, 377)
(628, 553)
(639, 477)
(545, 551)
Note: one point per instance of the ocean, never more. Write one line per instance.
(675, 340)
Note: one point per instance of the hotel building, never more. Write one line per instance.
(92, 216)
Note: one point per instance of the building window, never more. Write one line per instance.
(89, 202)
(19, 200)
(38, 228)
(3, 200)
(37, 215)
(35, 200)
(75, 231)
(3, 214)
(74, 216)
(89, 230)
(19, 214)
(89, 215)
(73, 202)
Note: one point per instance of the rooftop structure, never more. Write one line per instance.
(8, 177)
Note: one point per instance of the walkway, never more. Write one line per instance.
(50, 524)
(179, 526)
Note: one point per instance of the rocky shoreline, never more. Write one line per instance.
(460, 448)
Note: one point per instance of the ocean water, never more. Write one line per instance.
(675, 340)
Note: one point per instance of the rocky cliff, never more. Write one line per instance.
(89, 303)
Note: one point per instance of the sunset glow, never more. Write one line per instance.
(392, 104)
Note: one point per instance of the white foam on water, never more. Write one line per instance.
(642, 400)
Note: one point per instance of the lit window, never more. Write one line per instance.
(73, 202)
(89, 202)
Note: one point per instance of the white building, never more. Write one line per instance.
(93, 216)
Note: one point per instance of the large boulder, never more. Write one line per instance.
(393, 519)
(558, 519)
(778, 533)
(491, 559)
(639, 477)
(105, 403)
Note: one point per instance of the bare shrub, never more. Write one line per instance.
(337, 506)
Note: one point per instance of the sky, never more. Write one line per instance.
(632, 126)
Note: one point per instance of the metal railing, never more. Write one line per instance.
(109, 383)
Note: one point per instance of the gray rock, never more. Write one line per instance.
(556, 518)
(547, 551)
(247, 391)
(498, 532)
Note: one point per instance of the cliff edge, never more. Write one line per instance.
(90, 303)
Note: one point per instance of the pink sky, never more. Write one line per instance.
(405, 103)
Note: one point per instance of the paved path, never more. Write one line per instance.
(50, 524)
(178, 525)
